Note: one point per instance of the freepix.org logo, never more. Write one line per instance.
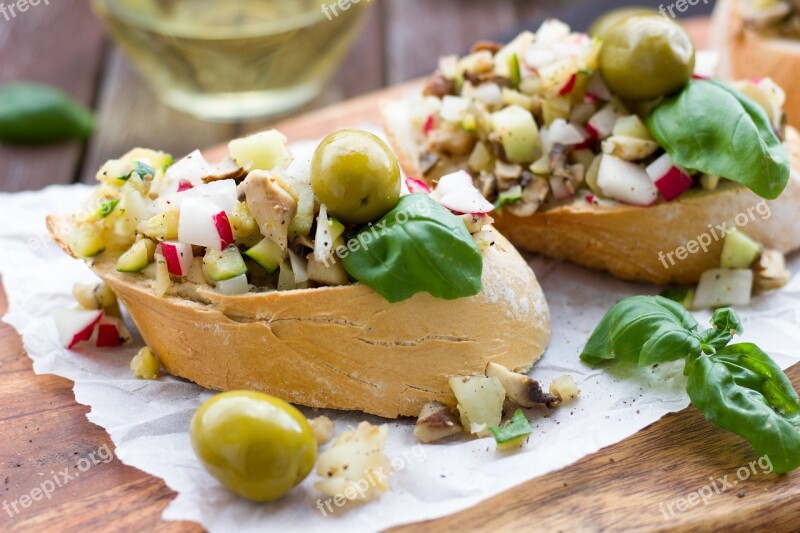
(11, 10)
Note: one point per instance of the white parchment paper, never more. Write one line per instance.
(148, 420)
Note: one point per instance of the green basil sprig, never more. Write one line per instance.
(34, 114)
(741, 389)
(737, 387)
(419, 246)
(713, 129)
(644, 330)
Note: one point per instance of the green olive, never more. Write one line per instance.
(607, 20)
(356, 176)
(645, 57)
(256, 445)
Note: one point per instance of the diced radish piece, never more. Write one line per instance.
(538, 58)
(569, 86)
(429, 125)
(551, 31)
(602, 122)
(222, 193)
(233, 286)
(178, 256)
(670, 179)
(720, 287)
(224, 229)
(560, 189)
(626, 182)
(414, 186)
(191, 169)
(558, 76)
(111, 332)
(184, 185)
(561, 132)
(590, 98)
(705, 65)
(597, 89)
(203, 224)
(453, 108)
(457, 193)
(488, 93)
(75, 325)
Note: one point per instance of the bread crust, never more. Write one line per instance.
(339, 347)
(635, 242)
(745, 53)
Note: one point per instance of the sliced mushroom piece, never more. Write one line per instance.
(452, 140)
(439, 86)
(490, 46)
(272, 202)
(770, 271)
(487, 183)
(436, 422)
(533, 196)
(226, 170)
(521, 389)
(427, 161)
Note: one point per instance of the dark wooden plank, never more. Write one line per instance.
(419, 31)
(45, 431)
(129, 114)
(60, 44)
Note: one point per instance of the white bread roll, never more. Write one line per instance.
(339, 347)
(632, 242)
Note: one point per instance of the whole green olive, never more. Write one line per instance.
(645, 57)
(607, 20)
(256, 445)
(356, 175)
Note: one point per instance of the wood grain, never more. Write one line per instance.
(620, 487)
(59, 44)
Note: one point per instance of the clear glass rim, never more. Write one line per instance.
(191, 30)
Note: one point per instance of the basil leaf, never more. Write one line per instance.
(644, 330)
(514, 431)
(31, 114)
(716, 130)
(741, 389)
(726, 324)
(419, 246)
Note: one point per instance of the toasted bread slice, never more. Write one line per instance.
(338, 347)
(660, 244)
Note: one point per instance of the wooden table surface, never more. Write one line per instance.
(44, 430)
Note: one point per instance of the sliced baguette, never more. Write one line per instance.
(744, 53)
(627, 241)
(339, 347)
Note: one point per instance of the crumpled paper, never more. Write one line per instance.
(148, 421)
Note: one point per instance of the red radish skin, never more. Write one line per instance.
(184, 185)
(429, 125)
(85, 334)
(178, 256)
(76, 326)
(566, 89)
(414, 186)
(224, 229)
(673, 184)
(108, 336)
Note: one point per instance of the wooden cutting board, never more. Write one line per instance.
(653, 480)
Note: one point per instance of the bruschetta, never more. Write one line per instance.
(611, 152)
(238, 276)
